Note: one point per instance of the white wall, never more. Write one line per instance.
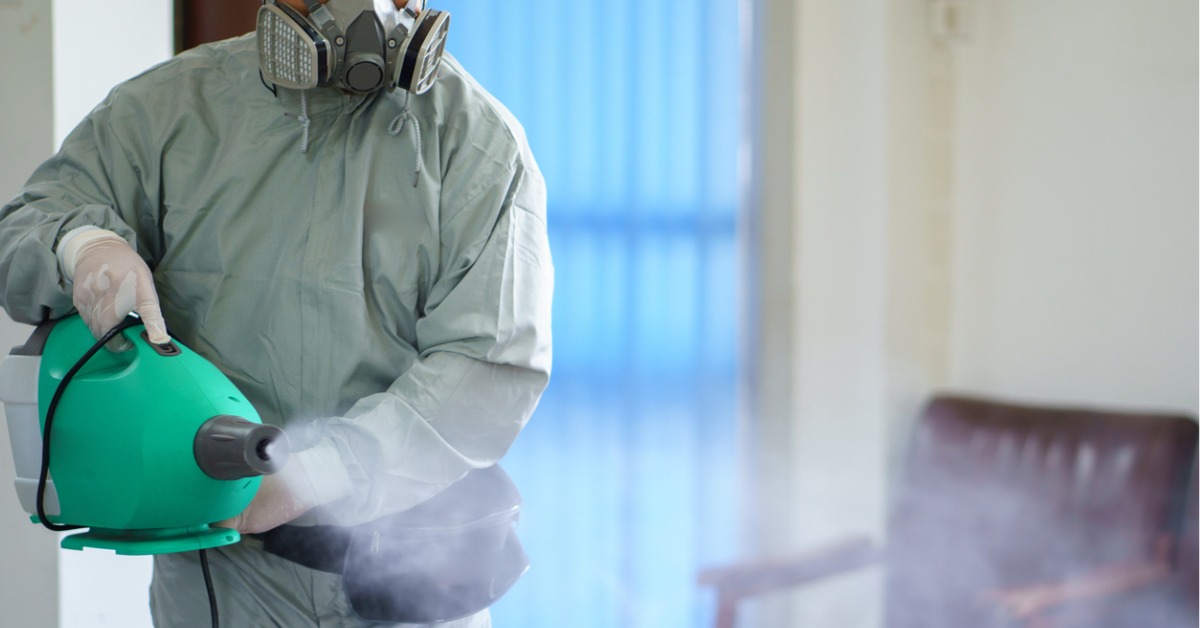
(841, 252)
(829, 58)
(99, 44)
(1007, 209)
(64, 57)
(1076, 275)
(28, 555)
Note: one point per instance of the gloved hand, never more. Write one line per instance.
(310, 478)
(275, 504)
(110, 280)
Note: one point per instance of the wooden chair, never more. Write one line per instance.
(1014, 515)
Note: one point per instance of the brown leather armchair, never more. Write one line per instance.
(1013, 515)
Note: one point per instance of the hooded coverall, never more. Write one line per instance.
(373, 273)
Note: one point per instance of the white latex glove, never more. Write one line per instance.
(310, 478)
(273, 505)
(110, 280)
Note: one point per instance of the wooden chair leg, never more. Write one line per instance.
(726, 611)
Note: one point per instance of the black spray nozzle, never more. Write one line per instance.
(230, 447)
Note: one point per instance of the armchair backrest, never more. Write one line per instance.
(1001, 495)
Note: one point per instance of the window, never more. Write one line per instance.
(627, 468)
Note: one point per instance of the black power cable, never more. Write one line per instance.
(58, 393)
(212, 595)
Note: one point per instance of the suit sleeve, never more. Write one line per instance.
(92, 180)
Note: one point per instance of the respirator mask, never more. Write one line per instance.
(357, 45)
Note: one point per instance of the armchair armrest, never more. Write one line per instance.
(741, 580)
(1032, 604)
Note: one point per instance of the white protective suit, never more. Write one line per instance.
(373, 273)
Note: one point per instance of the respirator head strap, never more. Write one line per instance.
(324, 19)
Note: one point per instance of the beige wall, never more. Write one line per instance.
(1076, 203)
(1007, 208)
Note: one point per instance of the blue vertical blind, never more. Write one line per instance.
(627, 468)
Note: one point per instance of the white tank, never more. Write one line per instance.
(19, 393)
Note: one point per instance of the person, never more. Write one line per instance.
(370, 268)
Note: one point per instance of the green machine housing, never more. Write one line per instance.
(148, 446)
